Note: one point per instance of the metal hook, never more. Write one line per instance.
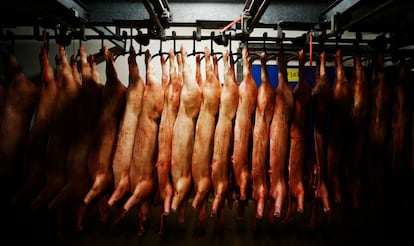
(194, 48)
(337, 38)
(358, 38)
(46, 40)
(239, 55)
(174, 34)
(230, 49)
(102, 41)
(211, 42)
(194, 41)
(281, 36)
(160, 50)
(212, 37)
(131, 39)
(140, 52)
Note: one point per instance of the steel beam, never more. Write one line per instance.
(339, 6)
(79, 10)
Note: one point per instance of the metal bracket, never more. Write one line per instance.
(280, 34)
(252, 12)
(244, 22)
(159, 14)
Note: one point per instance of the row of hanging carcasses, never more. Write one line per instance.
(72, 138)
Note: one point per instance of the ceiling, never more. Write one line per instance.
(328, 19)
(368, 16)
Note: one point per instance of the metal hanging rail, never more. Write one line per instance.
(254, 43)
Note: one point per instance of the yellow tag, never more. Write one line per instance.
(293, 74)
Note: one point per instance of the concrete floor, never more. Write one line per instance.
(374, 222)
